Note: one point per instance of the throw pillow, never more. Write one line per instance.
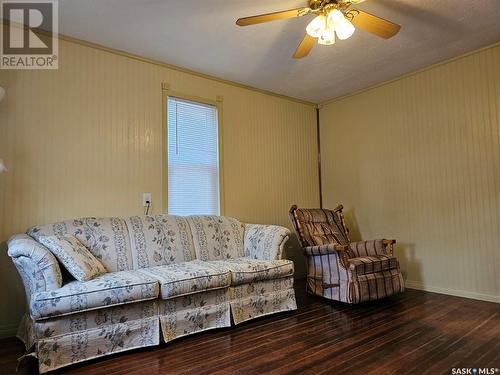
(74, 256)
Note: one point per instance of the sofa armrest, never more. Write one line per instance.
(38, 267)
(373, 247)
(265, 241)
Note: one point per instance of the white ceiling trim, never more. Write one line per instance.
(180, 69)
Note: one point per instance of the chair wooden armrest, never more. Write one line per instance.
(338, 208)
(339, 247)
(389, 246)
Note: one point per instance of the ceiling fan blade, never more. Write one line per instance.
(246, 21)
(304, 47)
(373, 24)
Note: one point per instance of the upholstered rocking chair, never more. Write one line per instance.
(341, 270)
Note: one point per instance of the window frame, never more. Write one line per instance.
(217, 103)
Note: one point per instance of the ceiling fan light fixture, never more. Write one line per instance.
(317, 26)
(334, 17)
(328, 37)
(343, 27)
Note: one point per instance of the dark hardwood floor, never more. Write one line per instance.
(414, 333)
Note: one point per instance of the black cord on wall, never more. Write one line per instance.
(318, 135)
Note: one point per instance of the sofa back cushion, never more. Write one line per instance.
(106, 238)
(160, 240)
(217, 237)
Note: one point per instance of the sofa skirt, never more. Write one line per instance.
(70, 339)
(253, 300)
(185, 315)
(80, 337)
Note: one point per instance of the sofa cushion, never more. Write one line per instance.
(110, 289)
(75, 257)
(106, 238)
(160, 240)
(187, 278)
(217, 237)
(248, 270)
(376, 263)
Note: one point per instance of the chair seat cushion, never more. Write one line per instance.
(248, 270)
(106, 290)
(187, 278)
(371, 264)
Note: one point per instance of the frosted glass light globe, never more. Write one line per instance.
(343, 27)
(316, 26)
(328, 37)
(334, 17)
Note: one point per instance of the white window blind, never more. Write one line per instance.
(193, 158)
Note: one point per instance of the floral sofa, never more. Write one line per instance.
(169, 274)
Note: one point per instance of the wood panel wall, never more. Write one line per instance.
(86, 140)
(418, 159)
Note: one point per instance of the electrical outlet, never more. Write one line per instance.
(146, 197)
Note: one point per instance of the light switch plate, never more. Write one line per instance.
(146, 197)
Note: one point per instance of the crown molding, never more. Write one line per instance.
(180, 69)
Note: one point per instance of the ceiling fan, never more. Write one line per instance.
(332, 17)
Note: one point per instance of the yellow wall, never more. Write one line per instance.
(87, 140)
(418, 159)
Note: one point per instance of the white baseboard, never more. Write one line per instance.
(8, 330)
(453, 292)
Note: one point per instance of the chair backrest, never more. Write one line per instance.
(316, 227)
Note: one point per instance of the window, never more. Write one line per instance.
(193, 158)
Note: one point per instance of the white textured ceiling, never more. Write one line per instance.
(201, 35)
